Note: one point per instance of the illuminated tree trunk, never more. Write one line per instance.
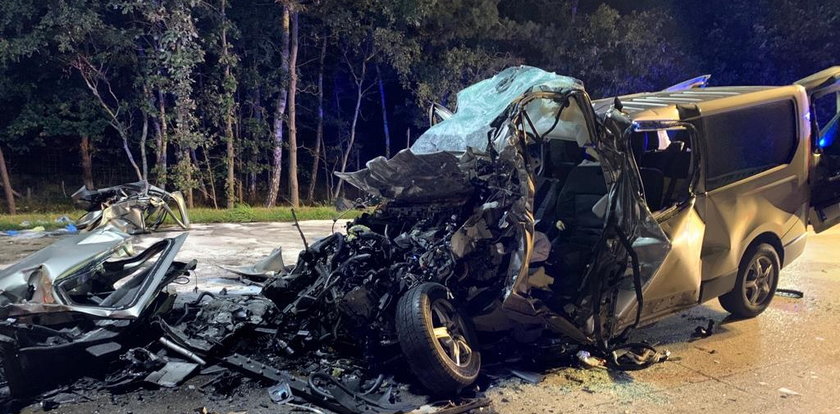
(162, 142)
(7, 184)
(360, 91)
(319, 131)
(294, 189)
(228, 87)
(384, 113)
(280, 109)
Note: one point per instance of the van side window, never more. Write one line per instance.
(748, 141)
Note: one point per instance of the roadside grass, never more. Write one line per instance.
(239, 214)
(29, 220)
(248, 214)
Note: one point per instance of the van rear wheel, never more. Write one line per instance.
(758, 276)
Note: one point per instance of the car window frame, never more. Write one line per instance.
(743, 174)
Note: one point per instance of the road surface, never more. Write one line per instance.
(785, 361)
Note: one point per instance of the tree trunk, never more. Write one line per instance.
(186, 161)
(7, 185)
(359, 92)
(230, 184)
(384, 113)
(239, 189)
(211, 180)
(319, 131)
(331, 169)
(228, 87)
(294, 189)
(162, 141)
(277, 153)
(202, 187)
(124, 135)
(327, 175)
(87, 162)
(143, 135)
(257, 114)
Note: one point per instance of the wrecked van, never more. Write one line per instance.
(531, 211)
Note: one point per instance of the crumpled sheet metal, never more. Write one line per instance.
(629, 214)
(412, 177)
(265, 267)
(649, 241)
(497, 119)
(133, 208)
(42, 270)
(56, 260)
(481, 104)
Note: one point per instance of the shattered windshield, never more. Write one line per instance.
(518, 102)
(482, 104)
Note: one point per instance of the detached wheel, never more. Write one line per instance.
(436, 341)
(758, 276)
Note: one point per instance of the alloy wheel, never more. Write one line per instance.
(759, 280)
(449, 331)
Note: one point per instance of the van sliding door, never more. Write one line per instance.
(823, 90)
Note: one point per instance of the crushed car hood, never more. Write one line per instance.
(55, 261)
(31, 286)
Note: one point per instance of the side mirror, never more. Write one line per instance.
(438, 113)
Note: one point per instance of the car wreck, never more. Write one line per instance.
(134, 208)
(460, 243)
(531, 218)
(532, 212)
(78, 302)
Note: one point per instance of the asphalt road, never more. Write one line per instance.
(786, 360)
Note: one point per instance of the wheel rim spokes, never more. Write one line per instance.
(448, 332)
(759, 281)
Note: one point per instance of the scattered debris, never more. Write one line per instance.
(588, 361)
(267, 267)
(788, 392)
(636, 356)
(81, 303)
(790, 293)
(704, 331)
(281, 393)
(134, 208)
(172, 374)
(459, 407)
(527, 376)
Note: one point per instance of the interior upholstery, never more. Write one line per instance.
(583, 188)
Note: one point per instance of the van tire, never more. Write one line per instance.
(758, 276)
(418, 314)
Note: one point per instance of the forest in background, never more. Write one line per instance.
(259, 102)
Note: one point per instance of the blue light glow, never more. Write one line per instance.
(829, 134)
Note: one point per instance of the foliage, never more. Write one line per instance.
(154, 82)
(239, 214)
